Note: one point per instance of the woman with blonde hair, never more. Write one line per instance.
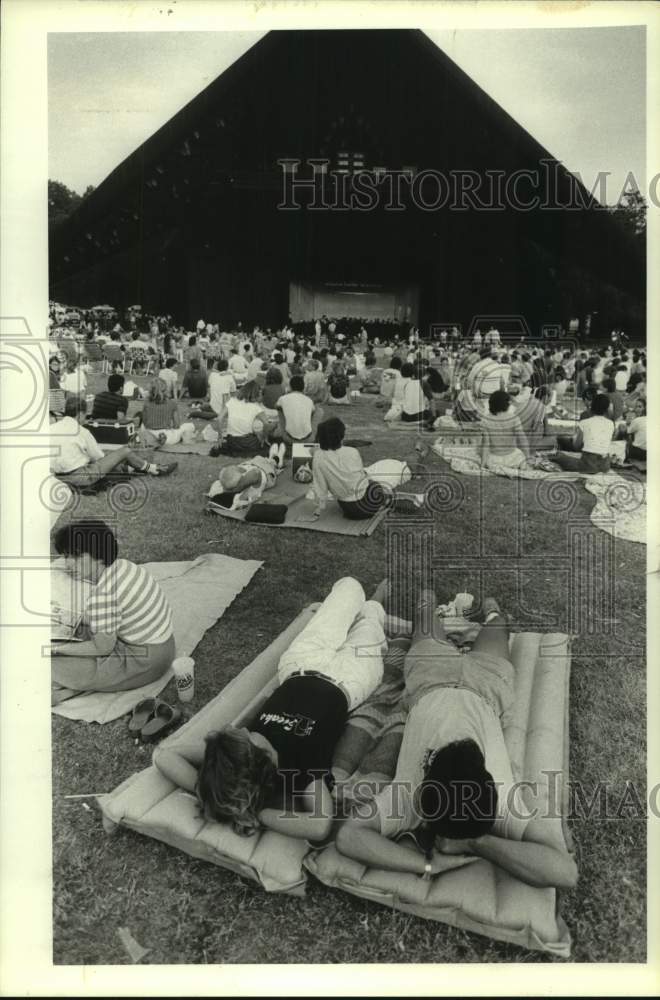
(245, 424)
(159, 420)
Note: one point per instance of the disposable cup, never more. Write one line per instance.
(184, 674)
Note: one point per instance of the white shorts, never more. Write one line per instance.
(344, 641)
(511, 460)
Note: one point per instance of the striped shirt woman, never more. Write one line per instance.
(127, 602)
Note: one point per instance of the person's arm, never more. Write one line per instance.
(521, 440)
(578, 440)
(320, 487)
(531, 859)
(280, 417)
(314, 419)
(90, 445)
(362, 840)
(314, 822)
(175, 420)
(100, 644)
(180, 765)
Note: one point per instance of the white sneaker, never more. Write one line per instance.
(273, 452)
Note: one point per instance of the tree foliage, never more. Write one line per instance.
(62, 201)
(630, 212)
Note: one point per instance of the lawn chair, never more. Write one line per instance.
(141, 361)
(56, 400)
(68, 349)
(94, 358)
(113, 356)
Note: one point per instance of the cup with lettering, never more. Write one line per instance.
(184, 675)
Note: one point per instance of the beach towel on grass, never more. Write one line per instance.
(331, 521)
(391, 474)
(466, 459)
(199, 593)
(620, 506)
(477, 897)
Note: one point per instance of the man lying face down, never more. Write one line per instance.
(453, 784)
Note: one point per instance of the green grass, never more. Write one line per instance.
(186, 911)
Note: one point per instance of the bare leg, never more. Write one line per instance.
(115, 458)
(494, 636)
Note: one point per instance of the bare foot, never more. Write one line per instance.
(421, 448)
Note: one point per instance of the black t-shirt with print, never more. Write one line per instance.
(303, 720)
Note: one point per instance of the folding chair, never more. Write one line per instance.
(94, 358)
(113, 356)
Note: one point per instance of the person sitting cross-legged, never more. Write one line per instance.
(454, 783)
(81, 460)
(127, 618)
(593, 440)
(245, 424)
(636, 433)
(160, 423)
(339, 472)
(298, 414)
(503, 441)
(111, 404)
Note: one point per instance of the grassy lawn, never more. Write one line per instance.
(186, 911)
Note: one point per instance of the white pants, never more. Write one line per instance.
(173, 435)
(344, 641)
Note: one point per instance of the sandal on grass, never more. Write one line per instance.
(165, 719)
(142, 713)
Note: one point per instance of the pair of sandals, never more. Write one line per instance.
(152, 718)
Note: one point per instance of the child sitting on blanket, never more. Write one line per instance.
(239, 486)
(278, 774)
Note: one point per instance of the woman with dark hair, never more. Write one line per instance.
(593, 440)
(273, 389)
(283, 763)
(503, 441)
(416, 395)
(453, 755)
(338, 383)
(130, 641)
(434, 382)
(338, 471)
